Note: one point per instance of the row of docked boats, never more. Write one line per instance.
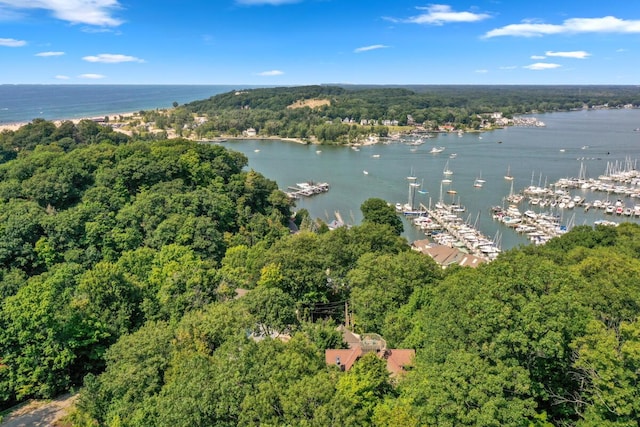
(538, 227)
(445, 227)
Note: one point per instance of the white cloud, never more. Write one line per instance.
(538, 57)
(271, 73)
(110, 58)
(607, 24)
(542, 66)
(577, 54)
(508, 67)
(50, 54)
(368, 48)
(439, 14)
(61, 77)
(269, 2)
(482, 71)
(92, 76)
(621, 50)
(12, 42)
(92, 12)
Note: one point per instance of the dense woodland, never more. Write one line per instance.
(120, 260)
(268, 109)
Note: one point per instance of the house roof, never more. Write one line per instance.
(398, 359)
(446, 255)
(350, 338)
(342, 357)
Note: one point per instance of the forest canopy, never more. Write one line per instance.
(161, 279)
(352, 113)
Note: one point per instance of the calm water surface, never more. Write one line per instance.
(23, 103)
(533, 156)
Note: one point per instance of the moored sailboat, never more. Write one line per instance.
(508, 176)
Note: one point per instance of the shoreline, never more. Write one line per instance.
(113, 117)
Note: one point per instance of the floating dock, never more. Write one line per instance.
(307, 189)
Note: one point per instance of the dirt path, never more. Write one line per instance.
(39, 413)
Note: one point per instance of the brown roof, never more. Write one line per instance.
(446, 255)
(350, 338)
(399, 359)
(345, 358)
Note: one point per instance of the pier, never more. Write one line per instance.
(307, 189)
(445, 227)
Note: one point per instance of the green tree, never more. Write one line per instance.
(380, 212)
(135, 372)
(608, 361)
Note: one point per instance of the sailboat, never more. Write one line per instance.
(479, 181)
(446, 170)
(508, 176)
(422, 190)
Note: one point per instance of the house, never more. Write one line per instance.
(251, 132)
(446, 255)
(398, 360)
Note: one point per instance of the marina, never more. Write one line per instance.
(528, 157)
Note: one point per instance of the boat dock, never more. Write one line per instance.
(307, 189)
(446, 227)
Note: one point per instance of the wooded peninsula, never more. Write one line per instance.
(170, 285)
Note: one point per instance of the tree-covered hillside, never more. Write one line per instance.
(270, 112)
(162, 280)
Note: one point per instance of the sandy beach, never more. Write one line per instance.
(113, 117)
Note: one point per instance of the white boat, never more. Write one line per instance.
(422, 190)
(436, 150)
(446, 170)
(365, 172)
(479, 181)
(508, 176)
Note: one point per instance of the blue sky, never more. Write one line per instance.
(292, 42)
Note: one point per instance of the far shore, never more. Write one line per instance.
(114, 117)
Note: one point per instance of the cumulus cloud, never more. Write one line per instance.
(271, 73)
(368, 48)
(542, 66)
(577, 54)
(538, 57)
(92, 76)
(45, 54)
(12, 42)
(92, 12)
(110, 58)
(61, 77)
(269, 2)
(440, 14)
(607, 24)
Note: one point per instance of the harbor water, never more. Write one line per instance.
(570, 142)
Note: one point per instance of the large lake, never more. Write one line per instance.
(534, 155)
